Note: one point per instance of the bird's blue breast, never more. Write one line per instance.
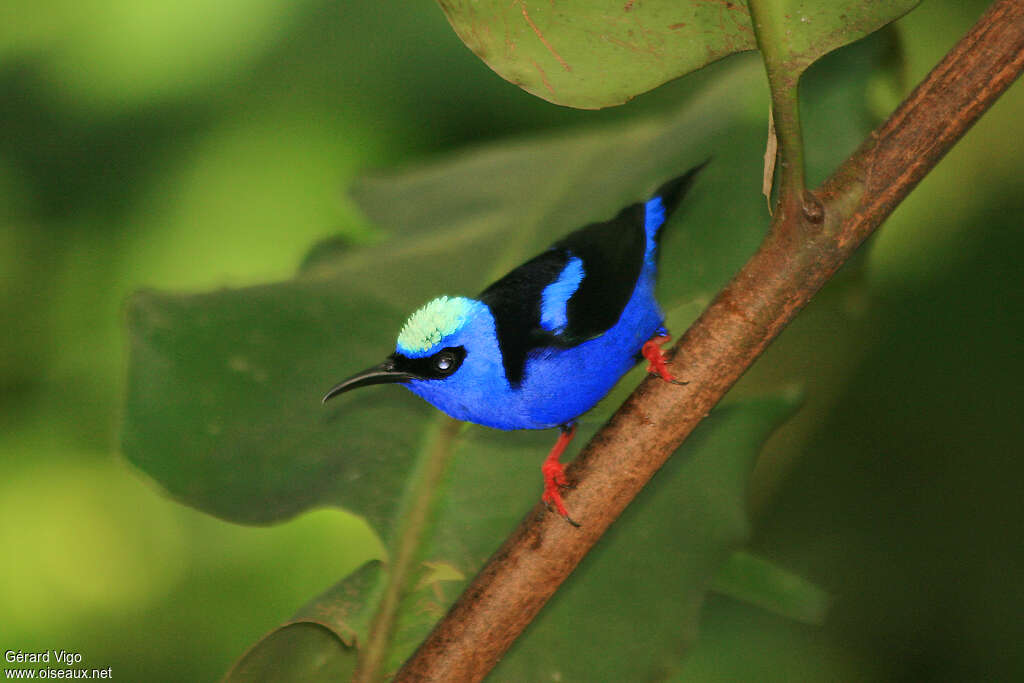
(563, 383)
(559, 383)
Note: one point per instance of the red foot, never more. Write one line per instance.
(554, 475)
(656, 357)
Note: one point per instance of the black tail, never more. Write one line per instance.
(671, 195)
(672, 192)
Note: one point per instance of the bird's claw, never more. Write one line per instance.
(556, 505)
(554, 480)
(656, 364)
(554, 475)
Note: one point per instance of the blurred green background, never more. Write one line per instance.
(190, 145)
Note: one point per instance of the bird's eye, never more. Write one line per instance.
(447, 361)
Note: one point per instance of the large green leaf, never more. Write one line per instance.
(588, 54)
(598, 53)
(223, 393)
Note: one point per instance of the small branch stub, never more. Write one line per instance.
(813, 209)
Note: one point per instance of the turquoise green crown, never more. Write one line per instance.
(433, 322)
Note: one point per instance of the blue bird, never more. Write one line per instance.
(542, 345)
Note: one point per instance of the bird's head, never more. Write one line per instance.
(446, 346)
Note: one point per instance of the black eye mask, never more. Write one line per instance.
(442, 364)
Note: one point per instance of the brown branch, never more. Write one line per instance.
(795, 260)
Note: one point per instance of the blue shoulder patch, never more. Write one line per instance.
(654, 215)
(555, 297)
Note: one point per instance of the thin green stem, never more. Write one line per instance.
(783, 81)
(403, 563)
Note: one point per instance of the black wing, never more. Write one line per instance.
(515, 301)
(612, 255)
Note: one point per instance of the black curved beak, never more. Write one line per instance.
(385, 373)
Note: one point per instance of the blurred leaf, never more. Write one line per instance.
(757, 581)
(890, 82)
(837, 108)
(325, 252)
(299, 652)
(590, 54)
(129, 547)
(223, 389)
(249, 197)
(121, 52)
(737, 643)
(319, 643)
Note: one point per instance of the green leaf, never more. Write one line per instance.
(223, 389)
(319, 643)
(757, 581)
(299, 652)
(793, 34)
(591, 54)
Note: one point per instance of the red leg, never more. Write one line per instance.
(554, 474)
(656, 357)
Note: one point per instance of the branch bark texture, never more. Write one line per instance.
(801, 252)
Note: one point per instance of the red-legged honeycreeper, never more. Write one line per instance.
(542, 345)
